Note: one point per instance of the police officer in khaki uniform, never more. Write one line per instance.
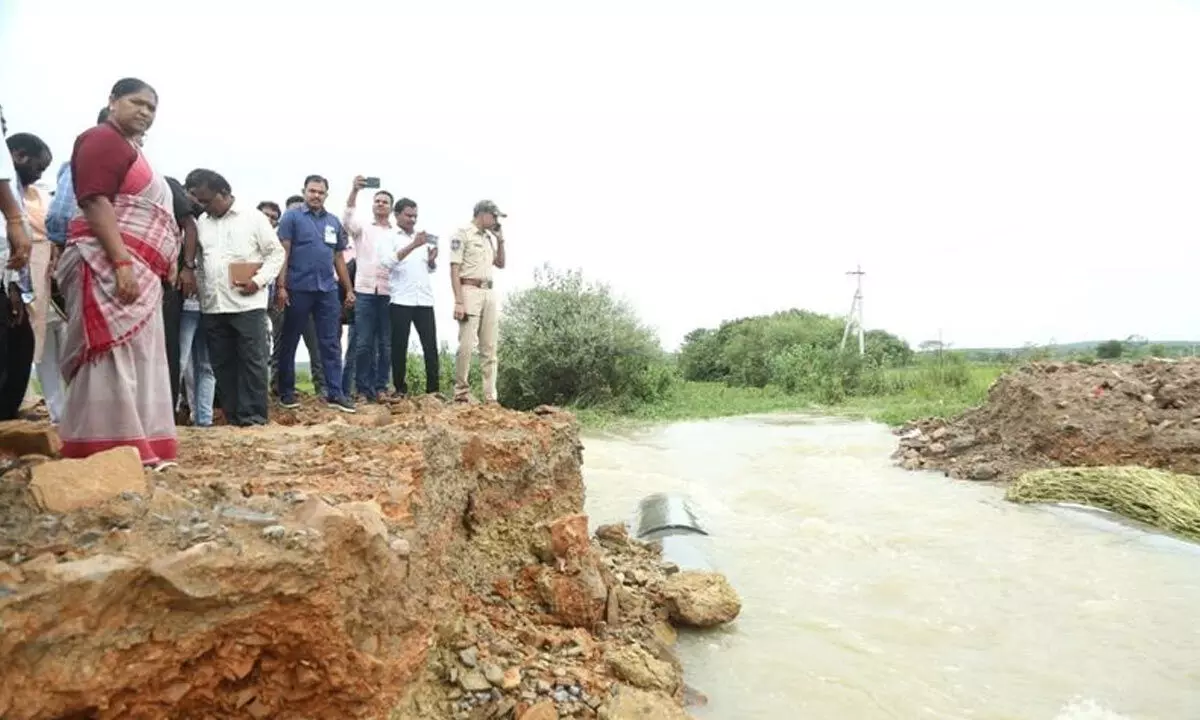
(474, 251)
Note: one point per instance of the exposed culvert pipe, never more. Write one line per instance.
(671, 520)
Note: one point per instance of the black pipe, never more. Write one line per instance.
(671, 520)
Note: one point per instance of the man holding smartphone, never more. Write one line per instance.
(474, 251)
(371, 333)
(411, 262)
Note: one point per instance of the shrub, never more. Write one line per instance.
(568, 341)
(826, 375)
(1110, 350)
(749, 351)
(700, 356)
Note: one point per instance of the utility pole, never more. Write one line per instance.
(855, 318)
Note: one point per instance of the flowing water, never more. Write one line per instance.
(872, 592)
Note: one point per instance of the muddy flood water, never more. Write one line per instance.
(872, 592)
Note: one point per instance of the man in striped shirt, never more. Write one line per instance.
(372, 334)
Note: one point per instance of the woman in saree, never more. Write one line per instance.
(121, 243)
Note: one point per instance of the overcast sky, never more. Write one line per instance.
(1005, 172)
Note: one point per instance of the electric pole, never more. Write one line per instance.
(855, 318)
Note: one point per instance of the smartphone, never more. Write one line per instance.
(431, 239)
(371, 182)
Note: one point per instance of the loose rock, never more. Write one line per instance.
(636, 667)
(493, 673)
(23, 437)
(701, 599)
(68, 485)
(474, 681)
(633, 704)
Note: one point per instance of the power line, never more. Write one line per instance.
(855, 317)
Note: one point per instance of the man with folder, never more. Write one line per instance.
(237, 254)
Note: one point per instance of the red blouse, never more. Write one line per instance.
(101, 160)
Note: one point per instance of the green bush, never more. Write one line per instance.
(1110, 350)
(948, 370)
(414, 372)
(826, 375)
(700, 356)
(568, 341)
(751, 351)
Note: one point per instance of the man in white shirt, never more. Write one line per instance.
(16, 290)
(371, 333)
(239, 253)
(411, 292)
(30, 157)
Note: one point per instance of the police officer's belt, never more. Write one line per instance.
(476, 282)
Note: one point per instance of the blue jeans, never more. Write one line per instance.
(199, 381)
(348, 384)
(325, 310)
(372, 343)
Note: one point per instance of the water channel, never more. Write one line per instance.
(871, 592)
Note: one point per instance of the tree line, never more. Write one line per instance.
(571, 341)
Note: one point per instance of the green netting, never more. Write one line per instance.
(1156, 497)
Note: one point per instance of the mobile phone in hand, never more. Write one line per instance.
(431, 239)
(371, 182)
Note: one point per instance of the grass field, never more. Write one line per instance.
(899, 395)
(904, 394)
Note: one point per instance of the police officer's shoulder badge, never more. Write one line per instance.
(455, 244)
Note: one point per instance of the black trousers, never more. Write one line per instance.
(403, 318)
(237, 349)
(16, 345)
(172, 310)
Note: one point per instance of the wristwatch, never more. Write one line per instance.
(189, 264)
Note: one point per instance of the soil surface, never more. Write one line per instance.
(415, 560)
(1047, 415)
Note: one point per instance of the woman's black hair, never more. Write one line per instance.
(129, 86)
(102, 117)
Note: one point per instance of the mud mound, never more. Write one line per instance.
(1048, 415)
(416, 560)
(279, 572)
(1165, 500)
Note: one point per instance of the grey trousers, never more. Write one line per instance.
(316, 369)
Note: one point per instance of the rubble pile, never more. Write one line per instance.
(412, 561)
(1048, 415)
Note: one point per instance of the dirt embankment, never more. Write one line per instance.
(1047, 415)
(421, 561)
